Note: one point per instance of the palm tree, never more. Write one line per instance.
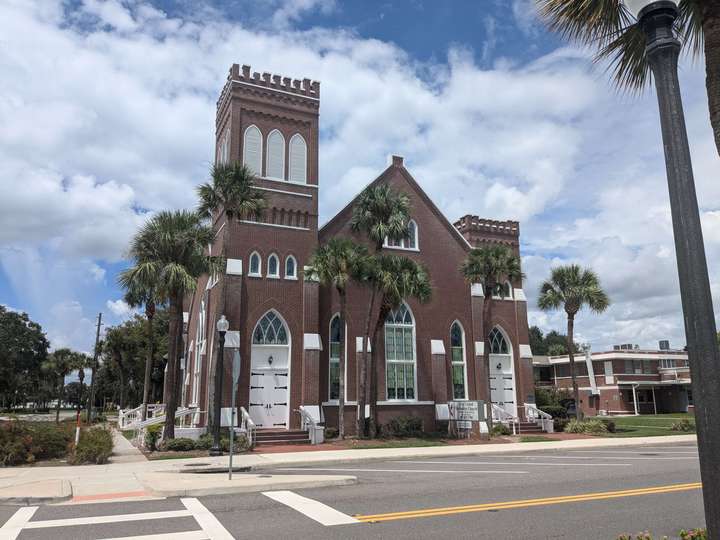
(61, 363)
(169, 250)
(230, 191)
(382, 214)
(492, 266)
(608, 26)
(336, 264)
(572, 288)
(115, 347)
(396, 279)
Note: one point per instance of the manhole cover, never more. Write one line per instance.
(265, 476)
(649, 454)
(197, 465)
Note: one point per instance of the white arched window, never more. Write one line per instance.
(275, 167)
(457, 361)
(503, 291)
(273, 266)
(270, 330)
(290, 268)
(498, 344)
(199, 353)
(334, 368)
(400, 354)
(411, 242)
(252, 149)
(298, 159)
(255, 264)
(224, 149)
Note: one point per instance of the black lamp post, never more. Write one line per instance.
(657, 19)
(222, 327)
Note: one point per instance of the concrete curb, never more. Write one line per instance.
(64, 493)
(217, 484)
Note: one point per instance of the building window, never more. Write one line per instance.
(498, 345)
(199, 352)
(400, 354)
(275, 167)
(503, 291)
(457, 359)
(252, 150)
(290, 268)
(411, 242)
(223, 155)
(273, 266)
(334, 372)
(255, 264)
(667, 363)
(298, 159)
(270, 330)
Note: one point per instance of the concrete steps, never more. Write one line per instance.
(268, 437)
(528, 428)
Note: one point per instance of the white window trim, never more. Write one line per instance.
(464, 360)
(330, 359)
(244, 160)
(259, 272)
(414, 361)
(267, 157)
(403, 243)
(305, 181)
(277, 275)
(295, 275)
(509, 298)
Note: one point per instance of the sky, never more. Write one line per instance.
(107, 116)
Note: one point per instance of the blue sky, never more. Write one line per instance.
(107, 111)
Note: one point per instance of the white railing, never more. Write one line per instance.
(504, 417)
(129, 418)
(541, 418)
(312, 425)
(248, 425)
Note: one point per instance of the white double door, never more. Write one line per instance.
(269, 386)
(502, 382)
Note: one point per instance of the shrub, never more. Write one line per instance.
(22, 442)
(181, 444)
(556, 411)
(498, 430)
(683, 425)
(50, 441)
(610, 425)
(152, 435)
(331, 433)
(404, 426)
(559, 424)
(589, 426)
(240, 444)
(697, 534)
(95, 446)
(205, 442)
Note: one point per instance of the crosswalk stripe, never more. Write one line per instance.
(187, 535)
(209, 523)
(311, 508)
(94, 520)
(17, 522)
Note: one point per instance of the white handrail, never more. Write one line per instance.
(130, 418)
(315, 430)
(543, 419)
(504, 417)
(248, 425)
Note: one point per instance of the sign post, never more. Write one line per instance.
(235, 381)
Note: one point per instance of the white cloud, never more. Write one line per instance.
(120, 309)
(290, 11)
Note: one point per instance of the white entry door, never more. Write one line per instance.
(270, 373)
(502, 383)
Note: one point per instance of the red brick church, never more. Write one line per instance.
(285, 325)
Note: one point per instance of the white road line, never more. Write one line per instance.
(69, 522)
(649, 458)
(311, 508)
(209, 523)
(404, 470)
(188, 535)
(630, 452)
(522, 463)
(17, 522)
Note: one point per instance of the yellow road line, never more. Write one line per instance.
(524, 503)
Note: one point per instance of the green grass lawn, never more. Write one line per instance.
(646, 425)
(535, 438)
(410, 442)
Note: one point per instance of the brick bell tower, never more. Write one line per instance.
(270, 123)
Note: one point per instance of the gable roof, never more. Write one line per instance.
(345, 214)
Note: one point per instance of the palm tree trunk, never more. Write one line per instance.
(59, 398)
(175, 327)
(341, 367)
(379, 323)
(150, 313)
(711, 32)
(361, 398)
(487, 327)
(571, 356)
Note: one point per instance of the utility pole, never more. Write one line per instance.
(91, 414)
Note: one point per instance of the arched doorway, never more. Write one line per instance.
(269, 372)
(502, 372)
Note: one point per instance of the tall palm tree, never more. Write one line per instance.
(336, 264)
(169, 250)
(61, 363)
(608, 26)
(381, 213)
(492, 266)
(231, 194)
(572, 288)
(397, 279)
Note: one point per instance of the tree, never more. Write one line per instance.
(551, 344)
(61, 363)
(491, 266)
(397, 279)
(231, 191)
(611, 28)
(23, 349)
(336, 264)
(381, 213)
(169, 250)
(572, 288)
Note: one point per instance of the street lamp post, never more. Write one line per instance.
(222, 327)
(657, 19)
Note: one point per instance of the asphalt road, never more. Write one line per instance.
(585, 494)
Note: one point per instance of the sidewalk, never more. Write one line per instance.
(140, 478)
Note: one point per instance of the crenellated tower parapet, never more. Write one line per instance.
(480, 231)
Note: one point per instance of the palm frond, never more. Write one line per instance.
(626, 59)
